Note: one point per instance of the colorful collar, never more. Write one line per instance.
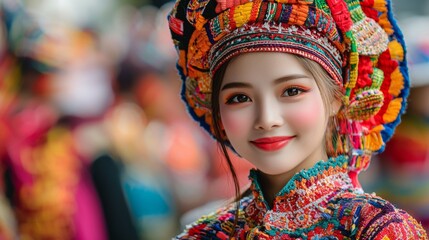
(308, 189)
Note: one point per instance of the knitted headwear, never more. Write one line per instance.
(357, 42)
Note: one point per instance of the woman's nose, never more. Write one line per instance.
(269, 115)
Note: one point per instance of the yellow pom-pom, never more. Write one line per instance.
(374, 141)
(385, 24)
(380, 5)
(396, 50)
(392, 110)
(397, 82)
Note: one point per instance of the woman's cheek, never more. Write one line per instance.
(306, 114)
(234, 123)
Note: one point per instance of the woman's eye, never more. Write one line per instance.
(239, 98)
(293, 91)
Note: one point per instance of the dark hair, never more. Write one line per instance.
(218, 134)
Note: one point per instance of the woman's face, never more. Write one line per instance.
(272, 112)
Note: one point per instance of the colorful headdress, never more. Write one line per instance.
(356, 41)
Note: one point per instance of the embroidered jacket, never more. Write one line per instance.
(318, 203)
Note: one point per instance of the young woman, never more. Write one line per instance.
(306, 91)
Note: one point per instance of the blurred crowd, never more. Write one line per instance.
(95, 142)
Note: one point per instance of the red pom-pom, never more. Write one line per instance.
(365, 70)
(368, 9)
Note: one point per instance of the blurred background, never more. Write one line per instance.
(95, 142)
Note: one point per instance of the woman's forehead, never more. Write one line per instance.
(266, 65)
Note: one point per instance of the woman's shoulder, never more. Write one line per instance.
(373, 217)
(216, 225)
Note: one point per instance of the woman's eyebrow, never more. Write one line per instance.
(289, 77)
(277, 81)
(236, 85)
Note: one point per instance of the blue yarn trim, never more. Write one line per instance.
(389, 128)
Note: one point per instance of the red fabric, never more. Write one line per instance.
(365, 71)
(341, 14)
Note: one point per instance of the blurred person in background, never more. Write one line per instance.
(48, 155)
(8, 91)
(129, 166)
(144, 178)
(402, 175)
(49, 183)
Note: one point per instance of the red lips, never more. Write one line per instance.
(272, 143)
